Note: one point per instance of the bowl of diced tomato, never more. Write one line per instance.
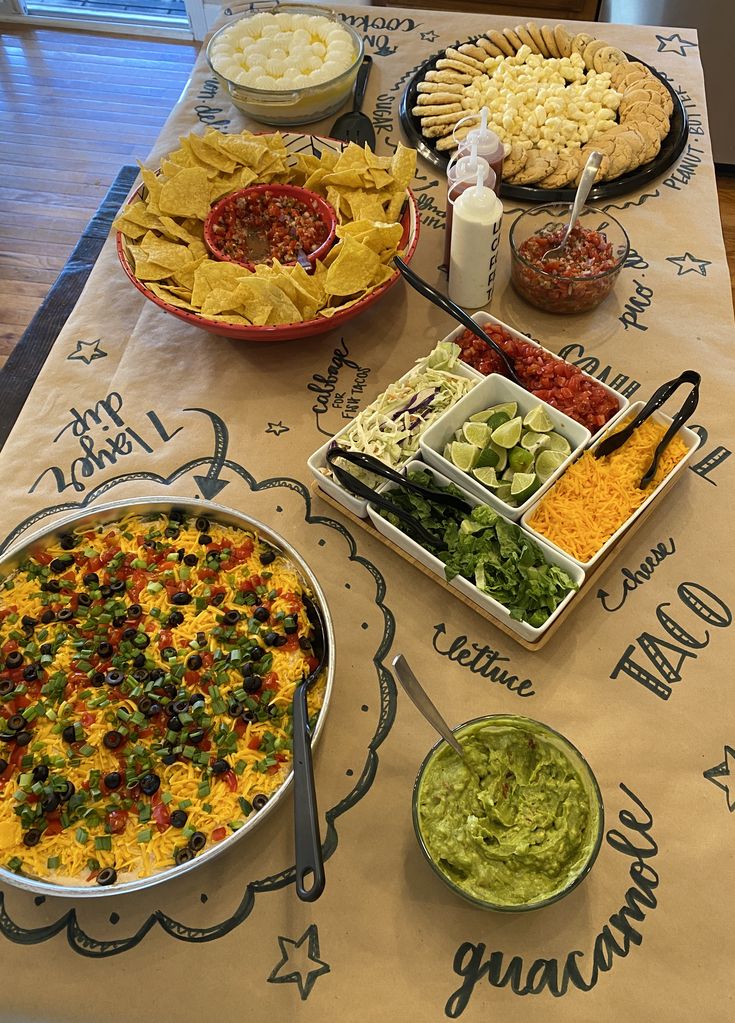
(267, 223)
(580, 277)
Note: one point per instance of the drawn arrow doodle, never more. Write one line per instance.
(210, 485)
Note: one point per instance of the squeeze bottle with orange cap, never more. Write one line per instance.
(461, 174)
(489, 146)
(473, 255)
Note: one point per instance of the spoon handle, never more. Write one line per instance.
(418, 694)
(585, 187)
(361, 82)
(309, 862)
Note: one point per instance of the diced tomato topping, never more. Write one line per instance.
(117, 821)
(218, 834)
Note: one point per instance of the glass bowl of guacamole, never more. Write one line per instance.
(521, 826)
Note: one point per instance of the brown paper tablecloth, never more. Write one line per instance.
(131, 402)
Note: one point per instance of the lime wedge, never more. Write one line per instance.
(508, 435)
(532, 441)
(497, 419)
(503, 493)
(524, 484)
(520, 459)
(464, 456)
(508, 408)
(556, 442)
(487, 477)
(547, 463)
(538, 420)
(477, 434)
(509, 474)
(502, 456)
(447, 452)
(489, 457)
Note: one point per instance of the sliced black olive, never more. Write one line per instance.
(197, 841)
(175, 618)
(249, 716)
(114, 677)
(204, 539)
(178, 818)
(48, 616)
(6, 686)
(235, 708)
(16, 723)
(67, 542)
(117, 585)
(108, 875)
(3, 765)
(174, 723)
(231, 617)
(183, 855)
(32, 837)
(281, 641)
(172, 532)
(168, 652)
(271, 638)
(155, 708)
(57, 565)
(118, 621)
(139, 661)
(105, 591)
(129, 633)
(141, 641)
(181, 598)
(22, 738)
(105, 649)
(256, 653)
(259, 801)
(202, 524)
(220, 766)
(67, 792)
(30, 673)
(194, 662)
(149, 784)
(176, 515)
(91, 579)
(84, 599)
(197, 699)
(141, 675)
(290, 625)
(170, 758)
(190, 560)
(113, 739)
(167, 689)
(113, 780)
(217, 599)
(201, 638)
(180, 705)
(267, 557)
(65, 614)
(51, 586)
(135, 611)
(40, 772)
(304, 643)
(46, 649)
(69, 734)
(28, 623)
(196, 736)
(274, 710)
(262, 614)
(50, 803)
(252, 684)
(7, 736)
(14, 659)
(181, 552)
(97, 679)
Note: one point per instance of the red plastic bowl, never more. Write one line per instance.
(316, 203)
(410, 222)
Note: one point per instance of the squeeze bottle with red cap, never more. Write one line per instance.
(461, 174)
(489, 146)
(473, 255)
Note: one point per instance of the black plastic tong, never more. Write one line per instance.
(659, 396)
(359, 489)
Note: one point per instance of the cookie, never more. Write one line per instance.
(535, 33)
(660, 90)
(647, 112)
(448, 64)
(584, 154)
(515, 160)
(452, 54)
(433, 119)
(607, 58)
(627, 75)
(447, 77)
(439, 87)
(547, 34)
(539, 164)
(564, 173)
(499, 40)
(450, 142)
(589, 53)
(490, 48)
(581, 40)
(636, 95)
(470, 50)
(651, 139)
(437, 98)
(434, 110)
(563, 40)
(526, 38)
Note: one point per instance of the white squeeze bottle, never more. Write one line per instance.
(473, 254)
(461, 174)
(489, 146)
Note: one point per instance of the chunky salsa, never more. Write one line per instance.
(545, 375)
(264, 226)
(572, 282)
(147, 673)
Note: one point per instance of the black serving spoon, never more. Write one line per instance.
(443, 302)
(355, 126)
(309, 862)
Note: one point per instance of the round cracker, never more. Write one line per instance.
(499, 40)
(547, 34)
(607, 58)
(526, 38)
(581, 40)
(513, 38)
(535, 33)
(589, 53)
(563, 39)
(539, 164)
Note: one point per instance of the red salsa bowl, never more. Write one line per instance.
(581, 276)
(263, 223)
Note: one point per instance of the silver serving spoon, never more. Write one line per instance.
(418, 694)
(583, 190)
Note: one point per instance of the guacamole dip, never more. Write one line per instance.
(518, 827)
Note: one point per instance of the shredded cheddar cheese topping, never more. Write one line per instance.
(595, 497)
(147, 673)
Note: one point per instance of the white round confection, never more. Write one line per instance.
(254, 26)
(255, 59)
(268, 31)
(331, 68)
(259, 46)
(300, 38)
(275, 67)
(318, 25)
(309, 63)
(276, 53)
(318, 49)
(265, 82)
(284, 21)
(231, 69)
(283, 40)
(300, 81)
(244, 78)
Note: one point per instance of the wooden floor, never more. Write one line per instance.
(74, 107)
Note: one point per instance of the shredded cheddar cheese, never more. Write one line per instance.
(147, 673)
(595, 497)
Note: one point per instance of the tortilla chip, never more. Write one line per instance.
(353, 270)
(186, 195)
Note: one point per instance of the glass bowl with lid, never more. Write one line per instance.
(579, 278)
(524, 830)
(282, 93)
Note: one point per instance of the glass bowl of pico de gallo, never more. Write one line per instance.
(583, 274)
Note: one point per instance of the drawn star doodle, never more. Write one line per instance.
(688, 264)
(295, 959)
(673, 44)
(430, 36)
(95, 352)
(724, 770)
(277, 428)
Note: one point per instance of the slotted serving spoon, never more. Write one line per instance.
(356, 126)
(309, 861)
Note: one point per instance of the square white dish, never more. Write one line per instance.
(482, 318)
(464, 586)
(493, 390)
(319, 467)
(692, 441)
